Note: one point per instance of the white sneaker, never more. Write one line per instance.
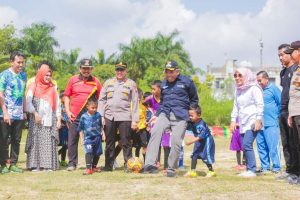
(116, 165)
(247, 174)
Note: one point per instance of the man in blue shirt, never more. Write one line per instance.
(178, 93)
(268, 139)
(12, 88)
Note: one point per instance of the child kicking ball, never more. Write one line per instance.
(204, 145)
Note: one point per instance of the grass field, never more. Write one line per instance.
(118, 185)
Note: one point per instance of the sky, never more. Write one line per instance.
(212, 30)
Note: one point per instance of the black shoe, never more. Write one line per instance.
(298, 181)
(106, 169)
(293, 179)
(171, 173)
(150, 170)
(282, 176)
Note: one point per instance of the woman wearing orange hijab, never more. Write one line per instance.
(42, 103)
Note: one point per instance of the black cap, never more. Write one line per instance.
(121, 65)
(294, 46)
(171, 65)
(86, 63)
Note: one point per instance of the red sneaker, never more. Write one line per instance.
(240, 167)
(88, 172)
(97, 169)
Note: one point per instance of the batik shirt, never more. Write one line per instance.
(91, 125)
(13, 87)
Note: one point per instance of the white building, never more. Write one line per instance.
(223, 84)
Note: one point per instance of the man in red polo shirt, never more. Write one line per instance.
(79, 89)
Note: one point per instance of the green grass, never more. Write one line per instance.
(118, 185)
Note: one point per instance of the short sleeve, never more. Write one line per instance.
(2, 82)
(99, 87)
(68, 90)
(202, 132)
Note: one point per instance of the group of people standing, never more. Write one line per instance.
(94, 113)
(90, 112)
(263, 113)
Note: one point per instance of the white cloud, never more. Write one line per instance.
(7, 15)
(209, 37)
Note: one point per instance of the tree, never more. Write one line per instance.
(104, 72)
(101, 60)
(143, 54)
(67, 62)
(37, 40)
(214, 112)
(8, 41)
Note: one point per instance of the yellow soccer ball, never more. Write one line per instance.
(135, 165)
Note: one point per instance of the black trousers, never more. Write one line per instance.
(288, 145)
(73, 139)
(10, 134)
(296, 143)
(111, 128)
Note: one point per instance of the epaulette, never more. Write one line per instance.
(110, 82)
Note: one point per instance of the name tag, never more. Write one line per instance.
(180, 86)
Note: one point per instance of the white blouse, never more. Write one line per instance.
(248, 107)
(44, 110)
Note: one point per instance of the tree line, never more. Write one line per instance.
(145, 58)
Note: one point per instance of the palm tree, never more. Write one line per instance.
(101, 60)
(37, 40)
(67, 62)
(142, 54)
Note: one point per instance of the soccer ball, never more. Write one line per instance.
(135, 165)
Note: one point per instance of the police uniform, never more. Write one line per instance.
(118, 103)
(288, 134)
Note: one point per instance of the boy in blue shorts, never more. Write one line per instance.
(91, 134)
(204, 145)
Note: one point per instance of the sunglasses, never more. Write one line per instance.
(120, 70)
(237, 75)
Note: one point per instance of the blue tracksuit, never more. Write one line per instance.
(205, 148)
(177, 97)
(268, 139)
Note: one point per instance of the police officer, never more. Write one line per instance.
(286, 74)
(178, 93)
(118, 106)
(294, 114)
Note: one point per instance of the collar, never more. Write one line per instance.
(179, 77)
(12, 71)
(81, 78)
(121, 81)
(294, 67)
(198, 122)
(268, 86)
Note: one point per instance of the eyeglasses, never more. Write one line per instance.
(120, 70)
(237, 75)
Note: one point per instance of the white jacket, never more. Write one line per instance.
(248, 107)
